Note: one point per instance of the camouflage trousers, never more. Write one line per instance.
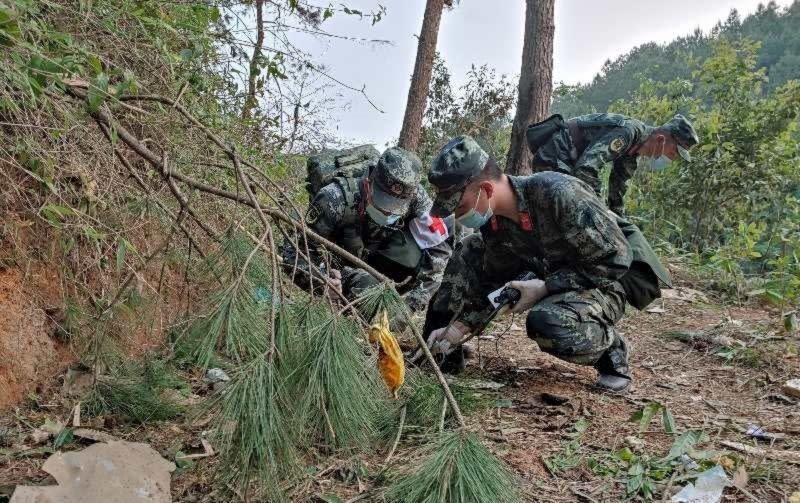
(576, 326)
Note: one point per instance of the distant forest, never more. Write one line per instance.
(776, 28)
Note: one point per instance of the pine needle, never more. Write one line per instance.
(255, 433)
(339, 385)
(378, 299)
(136, 391)
(423, 396)
(458, 469)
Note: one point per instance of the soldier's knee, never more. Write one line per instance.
(552, 330)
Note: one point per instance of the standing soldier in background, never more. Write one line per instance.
(381, 216)
(581, 146)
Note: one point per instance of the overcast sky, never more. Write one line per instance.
(490, 31)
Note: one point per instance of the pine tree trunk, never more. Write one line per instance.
(421, 79)
(250, 100)
(535, 80)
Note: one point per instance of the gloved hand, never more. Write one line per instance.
(443, 341)
(531, 292)
(335, 279)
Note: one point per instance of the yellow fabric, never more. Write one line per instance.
(390, 358)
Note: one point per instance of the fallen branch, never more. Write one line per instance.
(792, 457)
(157, 162)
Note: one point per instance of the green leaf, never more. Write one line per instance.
(9, 27)
(64, 437)
(625, 455)
(98, 90)
(95, 63)
(121, 249)
(330, 498)
(684, 443)
(668, 421)
(645, 414)
(328, 13)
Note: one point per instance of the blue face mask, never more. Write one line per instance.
(473, 218)
(380, 217)
(659, 163)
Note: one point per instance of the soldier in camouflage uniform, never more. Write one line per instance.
(552, 225)
(383, 218)
(581, 146)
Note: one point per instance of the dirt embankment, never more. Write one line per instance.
(30, 349)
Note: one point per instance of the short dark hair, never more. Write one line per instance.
(490, 171)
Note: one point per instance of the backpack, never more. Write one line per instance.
(354, 162)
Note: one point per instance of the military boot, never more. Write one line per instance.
(613, 374)
(454, 363)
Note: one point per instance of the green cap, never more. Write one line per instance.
(684, 134)
(395, 180)
(457, 163)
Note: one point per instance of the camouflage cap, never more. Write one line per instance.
(457, 163)
(684, 134)
(395, 180)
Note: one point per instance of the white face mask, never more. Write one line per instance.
(380, 217)
(473, 218)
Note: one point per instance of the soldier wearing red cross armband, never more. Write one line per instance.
(382, 217)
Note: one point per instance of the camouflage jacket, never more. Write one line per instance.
(417, 246)
(606, 138)
(565, 235)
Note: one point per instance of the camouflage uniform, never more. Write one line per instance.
(581, 146)
(337, 213)
(584, 253)
(567, 238)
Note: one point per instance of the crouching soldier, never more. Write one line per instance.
(588, 262)
(381, 216)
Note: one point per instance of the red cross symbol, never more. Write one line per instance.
(437, 225)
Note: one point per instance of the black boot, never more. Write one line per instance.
(613, 374)
(454, 362)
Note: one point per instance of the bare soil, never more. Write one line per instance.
(533, 416)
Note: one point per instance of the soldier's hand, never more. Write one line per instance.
(531, 292)
(335, 280)
(443, 341)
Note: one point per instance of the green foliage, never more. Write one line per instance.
(256, 433)
(233, 325)
(734, 205)
(645, 415)
(481, 109)
(774, 27)
(569, 457)
(337, 385)
(458, 469)
(137, 390)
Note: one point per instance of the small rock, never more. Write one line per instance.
(634, 443)
(39, 436)
(219, 386)
(217, 375)
(792, 388)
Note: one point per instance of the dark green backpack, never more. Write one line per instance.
(354, 162)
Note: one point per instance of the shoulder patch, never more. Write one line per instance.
(617, 144)
(428, 231)
(313, 214)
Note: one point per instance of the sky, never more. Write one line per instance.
(488, 31)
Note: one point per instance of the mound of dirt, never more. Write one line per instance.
(29, 351)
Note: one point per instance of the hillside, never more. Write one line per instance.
(776, 29)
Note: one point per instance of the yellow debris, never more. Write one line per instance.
(390, 358)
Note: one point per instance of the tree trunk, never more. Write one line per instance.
(250, 100)
(535, 81)
(421, 79)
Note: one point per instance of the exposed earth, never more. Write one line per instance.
(716, 369)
